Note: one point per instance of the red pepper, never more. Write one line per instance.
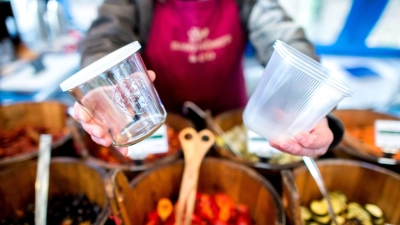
(224, 214)
(204, 207)
(223, 200)
(153, 222)
(170, 220)
(196, 219)
(153, 219)
(205, 211)
(241, 220)
(203, 198)
(219, 222)
(242, 209)
(234, 214)
(153, 215)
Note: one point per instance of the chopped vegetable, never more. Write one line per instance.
(164, 208)
(339, 195)
(339, 220)
(25, 138)
(379, 221)
(305, 213)
(347, 213)
(322, 219)
(238, 135)
(217, 209)
(374, 210)
(366, 135)
(318, 208)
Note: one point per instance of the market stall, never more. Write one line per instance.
(162, 125)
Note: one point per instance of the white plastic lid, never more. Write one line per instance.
(99, 66)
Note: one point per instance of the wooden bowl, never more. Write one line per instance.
(227, 121)
(67, 176)
(242, 184)
(110, 158)
(351, 147)
(49, 114)
(359, 181)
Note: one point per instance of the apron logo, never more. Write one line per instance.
(199, 47)
(196, 34)
(131, 96)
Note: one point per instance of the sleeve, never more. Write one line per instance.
(337, 129)
(268, 22)
(113, 28)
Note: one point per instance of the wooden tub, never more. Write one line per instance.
(135, 199)
(359, 181)
(67, 176)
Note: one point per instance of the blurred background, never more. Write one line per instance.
(358, 40)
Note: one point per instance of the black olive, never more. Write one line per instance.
(96, 209)
(79, 211)
(79, 219)
(85, 203)
(88, 212)
(76, 202)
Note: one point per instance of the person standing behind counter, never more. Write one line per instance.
(196, 47)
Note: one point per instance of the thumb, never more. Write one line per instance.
(152, 75)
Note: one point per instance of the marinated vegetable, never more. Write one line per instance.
(374, 210)
(25, 139)
(366, 134)
(209, 209)
(347, 213)
(238, 135)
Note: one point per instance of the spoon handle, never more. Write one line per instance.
(195, 146)
(42, 179)
(313, 168)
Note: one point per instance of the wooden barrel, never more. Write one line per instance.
(242, 184)
(67, 176)
(49, 115)
(230, 119)
(361, 182)
(355, 148)
(110, 158)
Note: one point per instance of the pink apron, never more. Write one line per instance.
(196, 49)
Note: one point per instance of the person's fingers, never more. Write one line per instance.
(94, 130)
(152, 75)
(124, 151)
(80, 113)
(274, 144)
(106, 141)
(290, 146)
(319, 137)
(294, 148)
(310, 140)
(311, 144)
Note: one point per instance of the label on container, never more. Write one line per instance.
(260, 146)
(155, 144)
(387, 134)
(387, 161)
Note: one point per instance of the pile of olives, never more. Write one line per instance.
(62, 209)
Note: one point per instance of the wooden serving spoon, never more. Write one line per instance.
(195, 146)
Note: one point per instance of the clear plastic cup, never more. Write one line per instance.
(309, 63)
(117, 92)
(294, 93)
